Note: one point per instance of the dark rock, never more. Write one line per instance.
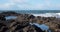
(18, 27)
(2, 17)
(4, 29)
(31, 17)
(59, 26)
(9, 12)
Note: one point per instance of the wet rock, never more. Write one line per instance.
(59, 26)
(2, 17)
(21, 24)
(31, 17)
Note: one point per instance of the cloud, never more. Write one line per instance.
(11, 3)
(30, 5)
(6, 6)
(18, 1)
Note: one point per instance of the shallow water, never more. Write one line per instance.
(10, 17)
(41, 26)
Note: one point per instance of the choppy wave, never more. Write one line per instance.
(48, 15)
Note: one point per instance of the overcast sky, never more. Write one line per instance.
(29, 4)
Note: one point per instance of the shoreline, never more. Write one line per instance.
(52, 22)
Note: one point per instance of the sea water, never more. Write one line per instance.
(42, 26)
(42, 13)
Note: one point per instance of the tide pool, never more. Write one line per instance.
(41, 26)
(10, 17)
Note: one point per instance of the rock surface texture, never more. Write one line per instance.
(21, 23)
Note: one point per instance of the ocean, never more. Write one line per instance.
(43, 13)
(38, 11)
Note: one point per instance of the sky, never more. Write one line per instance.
(29, 4)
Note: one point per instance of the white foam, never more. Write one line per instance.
(48, 15)
(58, 15)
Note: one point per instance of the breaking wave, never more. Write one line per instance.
(48, 15)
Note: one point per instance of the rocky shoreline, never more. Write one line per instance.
(21, 23)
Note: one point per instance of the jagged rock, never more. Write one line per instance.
(21, 24)
(2, 17)
(31, 17)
